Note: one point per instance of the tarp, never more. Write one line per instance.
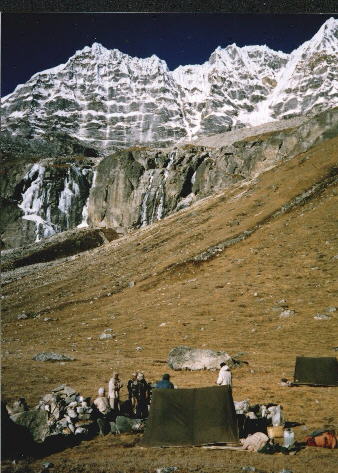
(316, 371)
(196, 416)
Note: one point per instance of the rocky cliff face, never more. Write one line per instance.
(136, 188)
(108, 99)
(42, 198)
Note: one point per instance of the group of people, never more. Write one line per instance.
(109, 405)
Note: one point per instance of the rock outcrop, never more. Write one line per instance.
(58, 246)
(137, 187)
(108, 99)
(42, 197)
(36, 422)
(63, 412)
(51, 356)
(186, 358)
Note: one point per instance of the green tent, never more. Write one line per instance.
(196, 416)
(316, 371)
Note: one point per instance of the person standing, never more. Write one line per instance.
(165, 382)
(142, 395)
(132, 391)
(224, 375)
(114, 388)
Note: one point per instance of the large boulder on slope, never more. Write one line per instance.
(36, 422)
(16, 441)
(51, 356)
(186, 358)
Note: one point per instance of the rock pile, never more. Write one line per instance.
(61, 412)
(64, 412)
(68, 412)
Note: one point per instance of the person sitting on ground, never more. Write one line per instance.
(104, 414)
(132, 389)
(224, 375)
(142, 396)
(164, 383)
(114, 388)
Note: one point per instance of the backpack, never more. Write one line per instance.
(325, 439)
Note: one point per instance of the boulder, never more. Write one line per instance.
(105, 336)
(16, 441)
(186, 358)
(321, 317)
(35, 421)
(287, 313)
(55, 421)
(167, 469)
(47, 465)
(331, 309)
(51, 356)
(64, 390)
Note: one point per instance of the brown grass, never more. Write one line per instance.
(290, 257)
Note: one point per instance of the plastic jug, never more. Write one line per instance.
(277, 415)
(289, 438)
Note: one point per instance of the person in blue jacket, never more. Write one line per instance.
(165, 383)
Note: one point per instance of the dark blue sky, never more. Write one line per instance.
(34, 42)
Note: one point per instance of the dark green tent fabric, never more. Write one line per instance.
(316, 371)
(191, 417)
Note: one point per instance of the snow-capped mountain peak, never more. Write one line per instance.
(107, 98)
(326, 37)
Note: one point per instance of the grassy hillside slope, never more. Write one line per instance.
(225, 300)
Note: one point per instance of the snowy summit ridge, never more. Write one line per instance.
(108, 98)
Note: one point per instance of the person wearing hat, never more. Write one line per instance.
(103, 411)
(102, 402)
(164, 383)
(224, 375)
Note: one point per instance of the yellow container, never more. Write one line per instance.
(275, 431)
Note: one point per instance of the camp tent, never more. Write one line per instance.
(191, 417)
(316, 371)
